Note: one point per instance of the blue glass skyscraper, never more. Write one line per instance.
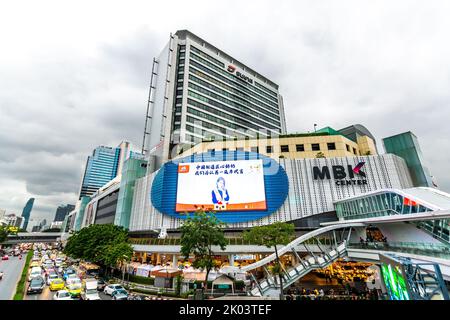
(26, 212)
(101, 167)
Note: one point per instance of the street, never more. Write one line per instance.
(48, 295)
(12, 270)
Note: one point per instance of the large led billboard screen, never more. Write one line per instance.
(394, 279)
(221, 186)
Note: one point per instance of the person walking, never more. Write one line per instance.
(321, 294)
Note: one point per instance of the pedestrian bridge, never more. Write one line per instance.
(342, 245)
(33, 237)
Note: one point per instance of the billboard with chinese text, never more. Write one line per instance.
(221, 186)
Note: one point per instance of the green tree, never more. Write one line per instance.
(98, 243)
(278, 233)
(4, 231)
(117, 253)
(198, 234)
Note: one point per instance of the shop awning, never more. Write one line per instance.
(167, 273)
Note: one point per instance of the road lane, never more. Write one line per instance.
(45, 295)
(12, 270)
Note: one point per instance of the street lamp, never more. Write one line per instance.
(124, 258)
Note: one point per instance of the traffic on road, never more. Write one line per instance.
(11, 267)
(52, 275)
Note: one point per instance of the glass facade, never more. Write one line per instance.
(26, 212)
(391, 203)
(219, 103)
(406, 146)
(106, 208)
(101, 168)
(133, 169)
(80, 214)
(63, 211)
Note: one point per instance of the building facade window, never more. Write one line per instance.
(354, 150)
(331, 146)
(254, 149)
(348, 147)
(269, 149)
(315, 147)
(300, 147)
(285, 148)
(239, 149)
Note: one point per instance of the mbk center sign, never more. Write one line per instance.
(343, 176)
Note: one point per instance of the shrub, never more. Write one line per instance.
(20, 289)
(140, 280)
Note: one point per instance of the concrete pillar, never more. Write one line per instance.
(158, 259)
(231, 259)
(174, 261)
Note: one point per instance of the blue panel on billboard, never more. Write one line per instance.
(276, 185)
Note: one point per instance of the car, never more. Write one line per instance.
(72, 276)
(74, 289)
(101, 284)
(37, 284)
(5, 257)
(57, 284)
(120, 294)
(109, 289)
(62, 295)
(137, 297)
(51, 277)
(89, 290)
(34, 264)
(35, 272)
(50, 271)
(68, 272)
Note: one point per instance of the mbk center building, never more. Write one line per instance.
(248, 189)
(199, 97)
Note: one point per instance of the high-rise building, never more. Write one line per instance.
(199, 92)
(14, 221)
(26, 212)
(62, 211)
(79, 214)
(103, 165)
(133, 170)
(406, 146)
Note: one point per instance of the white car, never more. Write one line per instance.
(109, 289)
(51, 276)
(62, 295)
(35, 272)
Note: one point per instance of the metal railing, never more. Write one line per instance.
(230, 241)
(428, 249)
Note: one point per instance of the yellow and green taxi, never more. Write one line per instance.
(57, 284)
(73, 286)
(34, 264)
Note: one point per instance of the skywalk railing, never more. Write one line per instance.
(436, 250)
(230, 241)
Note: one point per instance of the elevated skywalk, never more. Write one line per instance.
(340, 231)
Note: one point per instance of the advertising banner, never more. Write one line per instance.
(221, 186)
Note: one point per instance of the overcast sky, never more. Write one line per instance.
(75, 75)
